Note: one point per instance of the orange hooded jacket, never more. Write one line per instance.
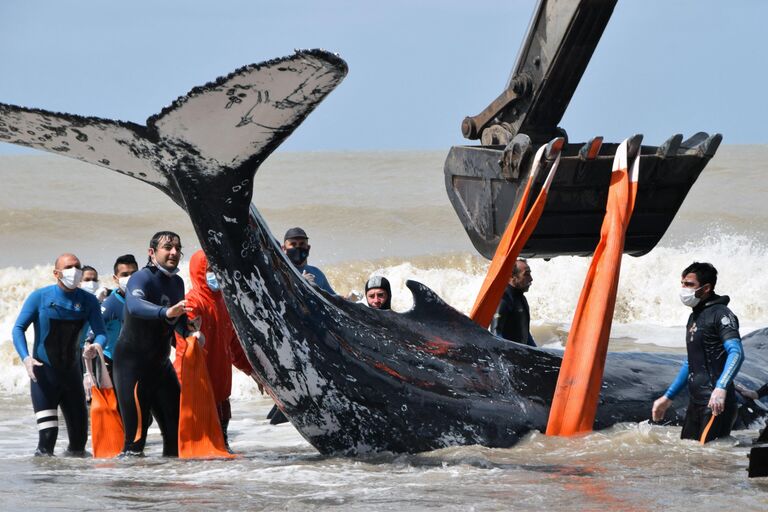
(222, 348)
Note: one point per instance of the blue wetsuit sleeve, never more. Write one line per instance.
(679, 382)
(320, 280)
(732, 363)
(97, 322)
(135, 302)
(26, 316)
(324, 284)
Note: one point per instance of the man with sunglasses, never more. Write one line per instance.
(59, 313)
(715, 355)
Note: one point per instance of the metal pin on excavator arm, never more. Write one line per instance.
(484, 182)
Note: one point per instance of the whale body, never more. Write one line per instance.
(352, 380)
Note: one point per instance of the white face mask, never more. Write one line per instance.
(90, 286)
(70, 277)
(165, 271)
(210, 280)
(122, 283)
(688, 296)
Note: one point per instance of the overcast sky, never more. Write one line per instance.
(416, 67)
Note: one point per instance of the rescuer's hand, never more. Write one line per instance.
(717, 401)
(309, 277)
(91, 350)
(660, 407)
(30, 363)
(177, 309)
(746, 393)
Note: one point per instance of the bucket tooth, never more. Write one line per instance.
(634, 145)
(694, 140)
(702, 144)
(554, 147)
(591, 149)
(709, 146)
(670, 146)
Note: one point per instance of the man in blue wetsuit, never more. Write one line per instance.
(296, 247)
(715, 355)
(112, 308)
(59, 313)
(144, 377)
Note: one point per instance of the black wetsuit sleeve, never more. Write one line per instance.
(136, 302)
(501, 318)
(27, 315)
(727, 325)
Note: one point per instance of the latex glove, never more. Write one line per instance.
(309, 277)
(200, 338)
(102, 293)
(87, 385)
(747, 393)
(354, 296)
(717, 401)
(660, 407)
(90, 351)
(30, 363)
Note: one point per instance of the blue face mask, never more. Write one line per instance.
(211, 281)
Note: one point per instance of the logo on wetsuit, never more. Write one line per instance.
(691, 332)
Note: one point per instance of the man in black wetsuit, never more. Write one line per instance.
(59, 313)
(714, 358)
(144, 377)
(512, 320)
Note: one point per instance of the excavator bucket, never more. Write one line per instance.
(485, 182)
(484, 194)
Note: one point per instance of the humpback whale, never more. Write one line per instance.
(352, 380)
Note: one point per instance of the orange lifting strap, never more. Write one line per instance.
(107, 433)
(200, 434)
(574, 404)
(515, 236)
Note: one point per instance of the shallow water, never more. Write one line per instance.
(629, 467)
(385, 213)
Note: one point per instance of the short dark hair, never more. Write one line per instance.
(86, 268)
(125, 259)
(159, 236)
(515, 270)
(706, 273)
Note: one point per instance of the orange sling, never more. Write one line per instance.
(200, 434)
(514, 238)
(574, 404)
(107, 433)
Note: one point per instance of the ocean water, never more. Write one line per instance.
(388, 213)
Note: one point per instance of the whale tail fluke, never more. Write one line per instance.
(218, 134)
(238, 120)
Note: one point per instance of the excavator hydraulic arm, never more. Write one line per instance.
(484, 182)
